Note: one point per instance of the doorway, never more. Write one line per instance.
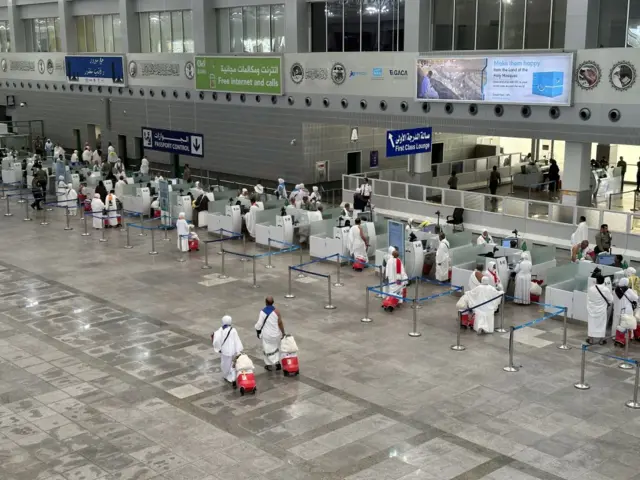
(91, 136)
(437, 153)
(122, 149)
(175, 165)
(77, 140)
(354, 164)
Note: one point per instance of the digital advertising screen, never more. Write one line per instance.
(527, 80)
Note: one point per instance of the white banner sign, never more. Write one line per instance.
(166, 70)
(32, 66)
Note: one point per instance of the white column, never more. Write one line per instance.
(129, 26)
(68, 36)
(204, 26)
(16, 27)
(576, 175)
(417, 25)
(581, 29)
(296, 26)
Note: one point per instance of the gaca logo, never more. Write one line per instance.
(398, 73)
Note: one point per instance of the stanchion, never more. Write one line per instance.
(416, 295)
(222, 275)
(329, 306)
(366, 318)
(338, 283)
(379, 295)
(416, 306)
(128, 245)
(26, 212)
(153, 244)
(458, 347)
(634, 403)
(66, 214)
(269, 246)
(181, 259)
(102, 234)
(582, 385)
(511, 367)
(3, 196)
(86, 228)
(8, 214)
(255, 285)
(165, 238)
(206, 265)
(221, 243)
(290, 294)
(627, 338)
(21, 199)
(564, 345)
(244, 248)
(44, 217)
(501, 328)
(300, 274)
(142, 234)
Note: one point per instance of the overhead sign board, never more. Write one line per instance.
(544, 79)
(95, 69)
(153, 69)
(172, 141)
(408, 142)
(32, 66)
(240, 74)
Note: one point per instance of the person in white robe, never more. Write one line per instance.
(443, 259)
(357, 243)
(250, 218)
(582, 232)
(281, 190)
(270, 329)
(226, 342)
(111, 205)
(485, 298)
(197, 190)
(96, 158)
(118, 168)
(96, 211)
(74, 158)
(86, 156)
(301, 193)
(623, 299)
(396, 275)
(119, 187)
(144, 166)
(523, 280)
(485, 238)
(72, 199)
(244, 193)
(182, 228)
(61, 192)
(475, 278)
(492, 274)
(258, 191)
(315, 195)
(599, 298)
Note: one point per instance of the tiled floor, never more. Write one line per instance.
(106, 372)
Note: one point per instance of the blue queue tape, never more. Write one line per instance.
(538, 320)
(431, 297)
(353, 260)
(229, 231)
(309, 273)
(282, 243)
(232, 253)
(222, 239)
(387, 294)
(615, 357)
(537, 303)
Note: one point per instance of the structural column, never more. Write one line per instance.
(581, 29)
(204, 26)
(129, 26)
(68, 36)
(576, 175)
(16, 27)
(417, 25)
(296, 26)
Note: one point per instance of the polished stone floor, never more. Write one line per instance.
(106, 372)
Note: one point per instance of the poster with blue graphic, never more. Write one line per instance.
(396, 235)
(105, 70)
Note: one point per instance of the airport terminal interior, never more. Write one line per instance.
(439, 197)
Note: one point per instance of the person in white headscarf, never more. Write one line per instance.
(111, 206)
(315, 195)
(581, 233)
(492, 274)
(258, 190)
(396, 274)
(144, 166)
(119, 186)
(523, 280)
(294, 193)
(485, 238)
(61, 192)
(270, 329)
(118, 168)
(634, 281)
(357, 242)
(96, 158)
(74, 158)
(72, 199)
(624, 298)
(58, 151)
(599, 299)
(281, 189)
(244, 193)
(250, 217)
(475, 278)
(48, 147)
(97, 206)
(443, 259)
(483, 298)
(112, 156)
(226, 342)
(182, 228)
(301, 193)
(197, 190)
(86, 155)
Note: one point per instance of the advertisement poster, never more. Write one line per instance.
(530, 80)
(239, 74)
(373, 159)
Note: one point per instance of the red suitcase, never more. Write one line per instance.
(193, 244)
(636, 333)
(536, 298)
(621, 338)
(359, 264)
(157, 213)
(246, 382)
(390, 303)
(290, 365)
(467, 320)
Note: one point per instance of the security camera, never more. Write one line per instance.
(23, 104)
(293, 142)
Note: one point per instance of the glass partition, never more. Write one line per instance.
(398, 190)
(481, 164)
(322, 228)
(416, 192)
(458, 239)
(465, 254)
(453, 198)
(514, 207)
(562, 214)
(617, 221)
(562, 273)
(539, 211)
(493, 162)
(635, 223)
(380, 187)
(591, 214)
(473, 200)
(433, 195)
(543, 254)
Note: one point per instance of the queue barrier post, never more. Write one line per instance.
(165, 238)
(182, 238)
(26, 212)
(128, 245)
(221, 248)
(458, 347)
(627, 337)
(253, 267)
(564, 345)
(8, 212)
(269, 245)
(102, 234)
(416, 306)
(142, 234)
(338, 283)
(366, 318)
(329, 305)
(66, 214)
(244, 248)
(222, 275)
(501, 328)
(634, 403)
(582, 385)
(44, 217)
(21, 199)
(381, 273)
(153, 243)
(416, 295)
(86, 228)
(2, 196)
(290, 294)
(511, 367)
(300, 274)
(206, 265)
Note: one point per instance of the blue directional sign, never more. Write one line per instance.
(172, 141)
(95, 69)
(408, 142)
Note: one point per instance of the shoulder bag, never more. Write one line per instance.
(259, 331)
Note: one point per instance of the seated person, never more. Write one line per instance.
(582, 251)
(620, 263)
